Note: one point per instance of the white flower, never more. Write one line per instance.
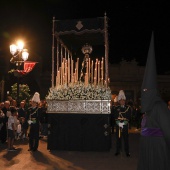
(79, 91)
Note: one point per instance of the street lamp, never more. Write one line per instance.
(20, 55)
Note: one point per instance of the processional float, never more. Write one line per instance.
(80, 81)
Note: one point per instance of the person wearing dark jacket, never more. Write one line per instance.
(33, 118)
(3, 131)
(22, 112)
(122, 114)
(155, 127)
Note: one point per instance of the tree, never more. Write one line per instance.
(24, 92)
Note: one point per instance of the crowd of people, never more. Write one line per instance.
(23, 122)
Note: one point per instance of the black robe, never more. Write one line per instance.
(155, 149)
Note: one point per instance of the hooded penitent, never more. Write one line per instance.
(149, 93)
(155, 136)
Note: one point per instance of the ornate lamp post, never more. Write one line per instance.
(20, 55)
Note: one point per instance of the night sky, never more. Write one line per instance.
(130, 27)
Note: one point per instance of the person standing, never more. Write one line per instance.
(122, 114)
(33, 118)
(154, 150)
(22, 118)
(11, 128)
(3, 131)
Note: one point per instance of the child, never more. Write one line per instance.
(11, 129)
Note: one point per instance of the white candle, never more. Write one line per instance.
(98, 72)
(75, 75)
(56, 82)
(68, 69)
(58, 76)
(77, 68)
(72, 69)
(92, 71)
(89, 70)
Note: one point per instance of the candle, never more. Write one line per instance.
(56, 82)
(58, 76)
(94, 81)
(92, 71)
(89, 70)
(77, 68)
(102, 70)
(75, 75)
(105, 83)
(72, 69)
(95, 75)
(68, 69)
(98, 72)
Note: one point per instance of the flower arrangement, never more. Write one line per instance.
(79, 92)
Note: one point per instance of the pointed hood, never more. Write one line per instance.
(150, 80)
(149, 91)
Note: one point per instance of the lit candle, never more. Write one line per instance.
(92, 71)
(68, 69)
(98, 72)
(75, 75)
(95, 75)
(58, 76)
(105, 83)
(108, 80)
(77, 68)
(102, 70)
(94, 81)
(72, 69)
(89, 70)
(56, 82)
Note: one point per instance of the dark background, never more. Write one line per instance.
(130, 26)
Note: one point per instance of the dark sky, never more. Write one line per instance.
(130, 27)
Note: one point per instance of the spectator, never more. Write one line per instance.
(3, 131)
(11, 129)
(22, 113)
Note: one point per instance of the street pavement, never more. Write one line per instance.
(44, 159)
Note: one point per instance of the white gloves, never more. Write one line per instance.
(29, 122)
(121, 124)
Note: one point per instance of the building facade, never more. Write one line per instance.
(128, 76)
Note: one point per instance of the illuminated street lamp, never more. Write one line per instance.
(20, 55)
